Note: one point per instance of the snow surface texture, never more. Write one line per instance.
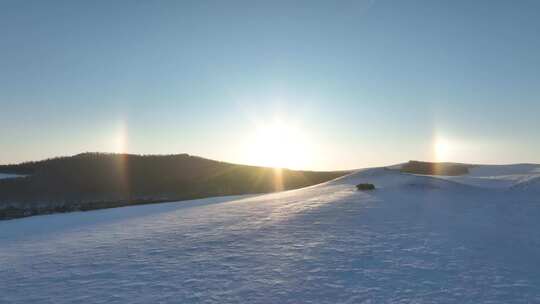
(416, 239)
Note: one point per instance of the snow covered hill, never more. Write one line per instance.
(416, 239)
(499, 176)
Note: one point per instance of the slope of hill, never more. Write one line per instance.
(94, 180)
(415, 239)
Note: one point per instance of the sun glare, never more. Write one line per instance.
(443, 149)
(279, 145)
(120, 138)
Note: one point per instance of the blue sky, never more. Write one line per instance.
(365, 82)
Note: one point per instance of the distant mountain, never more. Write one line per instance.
(98, 180)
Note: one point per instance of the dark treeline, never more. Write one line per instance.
(99, 180)
(430, 168)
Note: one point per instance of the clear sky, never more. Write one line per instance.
(303, 84)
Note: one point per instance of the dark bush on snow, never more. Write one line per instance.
(364, 187)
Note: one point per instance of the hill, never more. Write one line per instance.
(97, 180)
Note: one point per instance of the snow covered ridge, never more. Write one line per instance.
(415, 239)
(487, 177)
(520, 176)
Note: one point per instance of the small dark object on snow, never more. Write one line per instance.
(364, 187)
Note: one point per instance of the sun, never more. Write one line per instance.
(446, 149)
(279, 145)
